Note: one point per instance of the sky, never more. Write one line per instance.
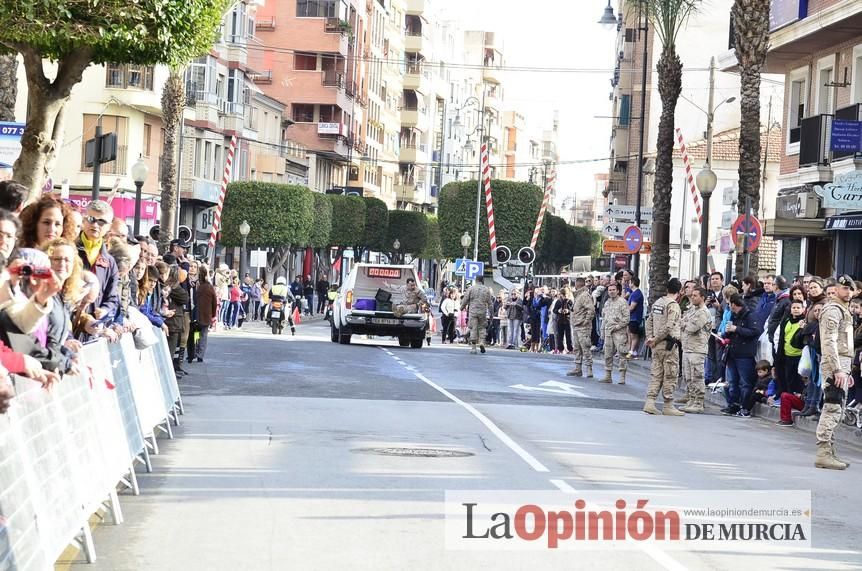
(559, 34)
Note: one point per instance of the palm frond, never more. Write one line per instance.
(668, 17)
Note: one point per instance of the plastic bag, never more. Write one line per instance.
(804, 368)
(297, 319)
(764, 348)
(145, 334)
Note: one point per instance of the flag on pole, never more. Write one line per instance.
(228, 167)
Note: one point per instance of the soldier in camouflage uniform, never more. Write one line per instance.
(662, 332)
(478, 301)
(615, 322)
(836, 345)
(582, 323)
(695, 328)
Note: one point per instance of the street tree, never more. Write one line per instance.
(173, 103)
(668, 17)
(75, 33)
(410, 229)
(348, 221)
(281, 216)
(376, 226)
(516, 206)
(8, 86)
(751, 42)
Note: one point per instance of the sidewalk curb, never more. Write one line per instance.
(771, 414)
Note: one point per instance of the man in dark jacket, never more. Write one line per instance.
(743, 332)
(782, 306)
(322, 291)
(94, 255)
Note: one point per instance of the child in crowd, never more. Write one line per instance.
(764, 388)
(788, 354)
(432, 323)
(791, 401)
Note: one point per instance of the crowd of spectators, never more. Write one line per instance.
(68, 278)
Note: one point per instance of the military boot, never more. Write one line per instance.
(589, 372)
(835, 455)
(607, 378)
(576, 372)
(649, 407)
(670, 410)
(826, 459)
(681, 400)
(693, 408)
(473, 349)
(622, 380)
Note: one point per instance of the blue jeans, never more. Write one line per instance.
(233, 314)
(739, 375)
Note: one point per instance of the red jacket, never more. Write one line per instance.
(12, 361)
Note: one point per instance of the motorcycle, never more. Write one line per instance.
(328, 315)
(276, 316)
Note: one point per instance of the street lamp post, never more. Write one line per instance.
(468, 148)
(396, 246)
(465, 243)
(140, 170)
(244, 230)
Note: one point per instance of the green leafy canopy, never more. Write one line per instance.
(410, 228)
(279, 214)
(122, 31)
(348, 220)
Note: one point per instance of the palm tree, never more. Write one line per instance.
(751, 42)
(667, 17)
(8, 86)
(173, 103)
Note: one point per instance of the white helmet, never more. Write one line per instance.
(281, 281)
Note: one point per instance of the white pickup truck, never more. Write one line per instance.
(372, 302)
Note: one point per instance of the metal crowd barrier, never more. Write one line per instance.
(64, 454)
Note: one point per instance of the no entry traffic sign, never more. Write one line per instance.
(633, 238)
(752, 227)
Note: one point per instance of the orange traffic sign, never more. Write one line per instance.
(619, 247)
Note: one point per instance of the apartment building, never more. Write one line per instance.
(817, 47)
(309, 56)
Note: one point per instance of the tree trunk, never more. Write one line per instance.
(8, 86)
(669, 86)
(173, 103)
(45, 101)
(751, 41)
(276, 261)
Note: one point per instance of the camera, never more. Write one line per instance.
(31, 271)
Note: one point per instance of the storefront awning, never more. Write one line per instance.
(780, 228)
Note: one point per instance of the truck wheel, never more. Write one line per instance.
(417, 343)
(343, 338)
(404, 341)
(333, 333)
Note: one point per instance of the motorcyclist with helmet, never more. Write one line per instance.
(281, 293)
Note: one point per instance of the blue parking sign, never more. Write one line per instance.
(474, 269)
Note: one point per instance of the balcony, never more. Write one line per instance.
(492, 74)
(415, 78)
(320, 35)
(414, 117)
(328, 139)
(493, 100)
(415, 42)
(413, 154)
(415, 7)
(265, 24)
(408, 192)
(261, 77)
(117, 166)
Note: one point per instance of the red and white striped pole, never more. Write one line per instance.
(695, 194)
(549, 186)
(489, 201)
(228, 167)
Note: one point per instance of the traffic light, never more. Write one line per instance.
(503, 254)
(526, 255)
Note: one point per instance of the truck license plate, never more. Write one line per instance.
(379, 321)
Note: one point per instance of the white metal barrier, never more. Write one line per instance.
(65, 453)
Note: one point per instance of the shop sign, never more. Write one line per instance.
(844, 193)
(797, 205)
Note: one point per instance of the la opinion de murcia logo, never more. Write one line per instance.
(844, 193)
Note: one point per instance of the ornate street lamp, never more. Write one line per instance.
(140, 170)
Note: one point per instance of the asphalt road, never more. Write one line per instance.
(284, 461)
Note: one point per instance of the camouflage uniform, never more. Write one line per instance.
(836, 343)
(583, 311)
(413, 302)
(615, 322)
(663, 326)
(478, 301)
(695, 328)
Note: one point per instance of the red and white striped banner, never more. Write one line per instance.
(228, 167)
(489, 201)
(549, 187)
(695, 194)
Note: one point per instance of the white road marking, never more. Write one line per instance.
(489, 424)
(555, 387)
(657, 555)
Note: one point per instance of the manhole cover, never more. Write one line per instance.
(416, 452)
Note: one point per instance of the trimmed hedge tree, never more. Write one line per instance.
(410, 228)
(376, 226)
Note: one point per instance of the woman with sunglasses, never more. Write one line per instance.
(95, 258)
(66, 265)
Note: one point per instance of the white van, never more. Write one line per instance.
(365, 304)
